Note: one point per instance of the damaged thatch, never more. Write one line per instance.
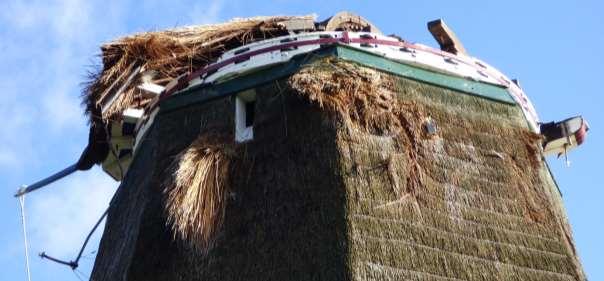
(429, 193)
(357, 97)
(342, 182)
(197, 190)
(162, 56)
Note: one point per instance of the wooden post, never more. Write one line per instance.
(445, 37)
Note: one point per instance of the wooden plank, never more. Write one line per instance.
(445, 37)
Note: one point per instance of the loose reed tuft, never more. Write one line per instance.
(365, 100)
(197, 191)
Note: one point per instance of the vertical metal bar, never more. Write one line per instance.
(22, 203)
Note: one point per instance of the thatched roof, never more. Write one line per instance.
(162, 56)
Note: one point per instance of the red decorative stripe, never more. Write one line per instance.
(242, 57)
(345, 39)
(581, 134)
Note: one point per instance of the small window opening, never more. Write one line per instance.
(250, 107)
(245, 113)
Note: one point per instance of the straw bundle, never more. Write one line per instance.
(197, 192)
(164, 55)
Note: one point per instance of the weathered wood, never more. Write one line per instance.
(445, 37)
(345, 21)
(299, 24)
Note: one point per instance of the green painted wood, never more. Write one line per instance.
(482, 89)
(202, 93)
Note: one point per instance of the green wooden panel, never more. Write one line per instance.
(203, 93)
(485, 90)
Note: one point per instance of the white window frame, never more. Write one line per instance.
(243, 133)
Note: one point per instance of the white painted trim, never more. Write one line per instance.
(142, 127)
(420, 55)
(132, 115)
(151, 88)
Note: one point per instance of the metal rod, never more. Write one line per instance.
(77, 260)
(75, 263)
(63, 173)
(22, 203)
(71, 264)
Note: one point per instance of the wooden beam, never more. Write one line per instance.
(445, 37)
(346, 21)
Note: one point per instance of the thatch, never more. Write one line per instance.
(408, 200)
(197, 191)
(342, 182)
(165, 55)
(354, 95)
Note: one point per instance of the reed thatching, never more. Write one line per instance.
(342, 182)
(197, 191)
(354, 95)
(165, 55)
(410, 199)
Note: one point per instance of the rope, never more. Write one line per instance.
(26, 245)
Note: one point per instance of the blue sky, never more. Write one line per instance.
(47, 46)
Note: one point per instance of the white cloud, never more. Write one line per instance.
(8, 157)
(51, 43)
(64, 110)
(15, 136)
(22, 14)
(62, 16)
(71, 19)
